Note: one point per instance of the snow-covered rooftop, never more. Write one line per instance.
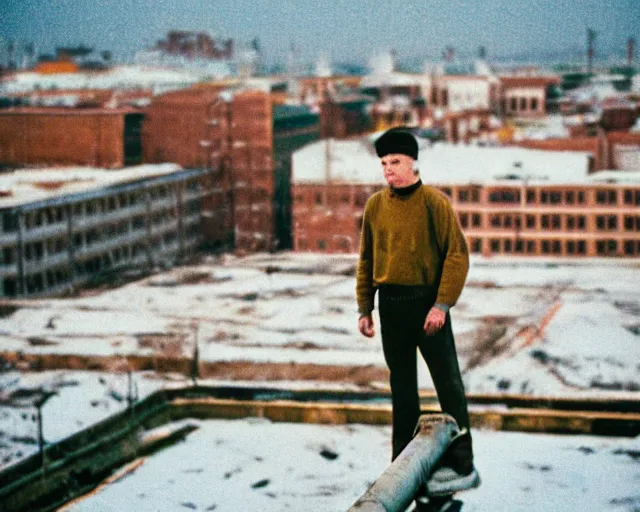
(127, 77)
(25, 186)
(355, 161)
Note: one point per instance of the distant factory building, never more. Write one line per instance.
(108, 138)
(62, 227)
(509, 201)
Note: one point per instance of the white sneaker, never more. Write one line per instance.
(445, 481)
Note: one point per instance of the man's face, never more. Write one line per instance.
(398, 170)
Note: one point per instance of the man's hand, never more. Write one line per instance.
(365, 326)
(434, 321)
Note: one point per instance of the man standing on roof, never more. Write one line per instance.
(414, 254)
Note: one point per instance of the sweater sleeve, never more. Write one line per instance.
(455, 253)
(364, 276)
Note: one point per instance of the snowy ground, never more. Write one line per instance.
(531, 326)
(572, 325)
(257, 465)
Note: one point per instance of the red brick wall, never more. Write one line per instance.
(41, 137)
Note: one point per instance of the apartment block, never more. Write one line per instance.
(61, 227)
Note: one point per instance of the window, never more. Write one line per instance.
(581, 222)
(534, 103)
(569, 197)
(580, 197)
(571, 247)
(556, 247)
(571, 223)
(600, 222)
(318, 197)
(475, 219)
(531, 196)
(513, 104)
(555, 197)
(322, 245)
(476, 245)
(531, 246)
(545, 221)
(628, 223)
(582, 247)
(612, 222)
(544, 197)
(628, 197)
(555, 222)
(495, 245)
(519, 246)
(463, 196)
(504, 196)
(464, 219)
(531, 221)
(523, 104)
(629, 247)
(508, 246)
(545, 247)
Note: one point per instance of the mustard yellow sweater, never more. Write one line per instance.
(411, 240)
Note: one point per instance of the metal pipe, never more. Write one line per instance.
(398, 485)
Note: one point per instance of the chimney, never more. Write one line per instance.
(630, 51)
(591, 37)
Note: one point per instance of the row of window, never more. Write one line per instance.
(57, 214)
(500, 246)
(556, 247)
(498, 196)
(550, 221)
(521, 104)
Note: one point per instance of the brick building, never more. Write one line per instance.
(249, 141)
(108, 138)
(509, 201)
(525, 96)
(62, 227)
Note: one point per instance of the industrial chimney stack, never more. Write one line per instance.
(630, 51)
(591, 37)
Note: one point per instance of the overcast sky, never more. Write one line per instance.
(344, 29)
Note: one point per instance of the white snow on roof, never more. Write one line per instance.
(128, 76)
(355, 161)
(27, 185)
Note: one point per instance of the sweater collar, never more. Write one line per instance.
(406, 191)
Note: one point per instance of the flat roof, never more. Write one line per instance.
(35, 186)
(355, 161)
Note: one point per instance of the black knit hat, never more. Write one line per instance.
(397, 141)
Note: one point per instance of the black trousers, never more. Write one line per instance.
(403, 310)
